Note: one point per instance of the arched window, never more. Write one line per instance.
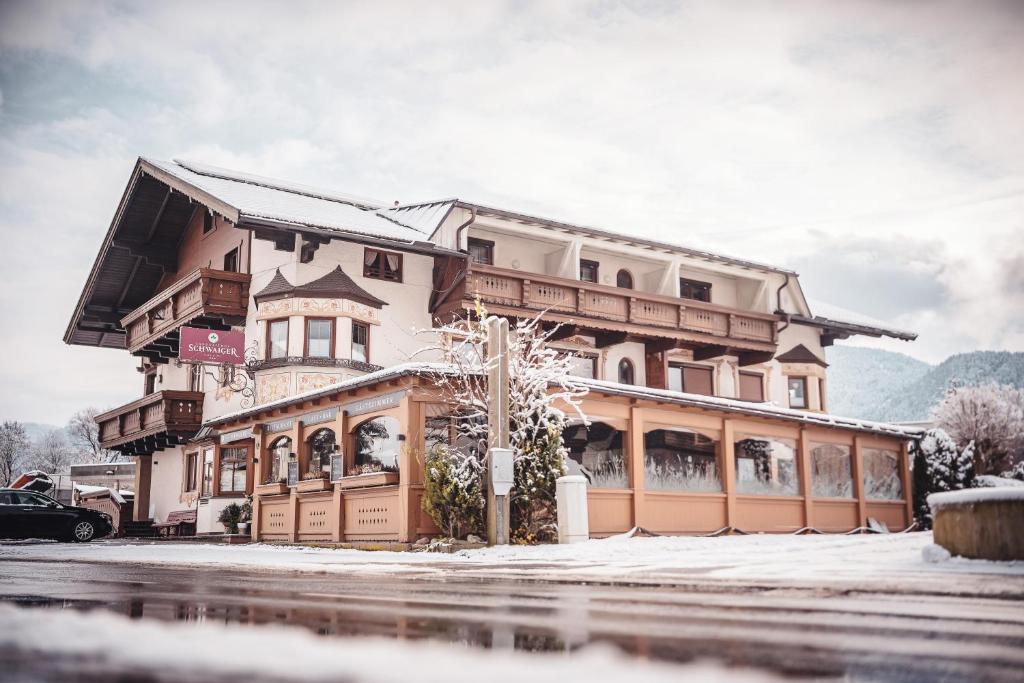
(376, 445)
(280, 452)
(626, 374)
(624, 279)
(322, 444)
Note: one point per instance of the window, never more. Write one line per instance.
(360, 342)
(207, 472)
(624, 279)
(588, 270)
(583, 365)
(376, 445)
(695, 289)
(382, 265)
(277, 339)
(207, 222)
(797, 392)
(280, 453)
(481, 251)
(597, 452)
(446, 429)
(830, 471)
(195, 378)
(766, 465)
(751, 386)
(821, 394)
(232, 469)
(191, 470)
(693, 379)
(231, 261)
(682, 459)
(150, 382)
(322, 445)
(319, 337)
(882, 475)
(626, 373)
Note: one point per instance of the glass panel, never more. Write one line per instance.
(681, 459)
(626, 371)
(280, 451)
(882, 475)
(831, 476)
(321, 446)
(766, 465)
(232, 470)
(207, 472)
(359, 337)
(377, 445)
(279, 339)
(597, 453)
(797, 392)
(675, 378)
(582, 366)
(318, 338)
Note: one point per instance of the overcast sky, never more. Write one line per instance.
(876, 148)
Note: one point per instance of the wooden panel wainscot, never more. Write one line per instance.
(153, 422)
(205, 296)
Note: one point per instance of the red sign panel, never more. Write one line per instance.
(211, 346)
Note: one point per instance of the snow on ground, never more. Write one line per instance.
(782, 558)
(262, 652)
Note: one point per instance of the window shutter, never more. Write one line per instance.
(698, 380)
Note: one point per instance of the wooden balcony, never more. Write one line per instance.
(152, 423)
(214, 299)
(599, 309)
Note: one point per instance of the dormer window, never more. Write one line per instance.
(319, 337)
(588, 271)
(382, 265)
(481, 251)
(695, 289)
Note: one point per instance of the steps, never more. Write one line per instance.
(142, 529)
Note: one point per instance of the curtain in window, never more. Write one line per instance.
(392, 261)
(369, 257)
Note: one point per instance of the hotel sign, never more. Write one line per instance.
(212, 346)
(369, 405)
(315, 418)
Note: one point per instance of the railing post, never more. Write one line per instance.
(730, 321)
(580, 298)
(630, 308)
(682, 318)
(526, 293)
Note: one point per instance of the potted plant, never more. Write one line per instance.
(245, 517)
(230, 517)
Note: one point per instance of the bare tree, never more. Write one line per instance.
(85, 438)
(51, 453)
(14, 450)
(992, 417)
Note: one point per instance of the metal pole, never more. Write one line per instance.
(498, 509)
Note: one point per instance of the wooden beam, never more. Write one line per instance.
(709, 352)
(659, 344)
(562, 332)
(605, 339)
(755, 357)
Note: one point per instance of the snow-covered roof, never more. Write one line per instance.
(831, 315)
(425, 217)
(256, 197)
(601, 386)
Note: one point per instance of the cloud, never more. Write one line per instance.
(876, 146)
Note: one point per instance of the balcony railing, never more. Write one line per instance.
(154, 422)
(584, 301)
(204, 297)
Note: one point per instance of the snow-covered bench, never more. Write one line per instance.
(178, 523)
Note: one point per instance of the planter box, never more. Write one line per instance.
(271, 489)
(359, 481)
(308, 485)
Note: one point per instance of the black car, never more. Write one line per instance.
(26, 514)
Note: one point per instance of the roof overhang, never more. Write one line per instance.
(837, 329)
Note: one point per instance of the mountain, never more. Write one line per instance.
(882, 385)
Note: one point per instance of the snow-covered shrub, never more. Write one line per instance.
(1015, 472)
(992, 417)
(939, 465)
(540, 385)
(453, 491)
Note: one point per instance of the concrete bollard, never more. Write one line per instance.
(571, 497)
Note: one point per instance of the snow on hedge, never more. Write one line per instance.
(141, 648)
(999, 494)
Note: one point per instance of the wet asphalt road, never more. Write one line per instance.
(795, 631)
